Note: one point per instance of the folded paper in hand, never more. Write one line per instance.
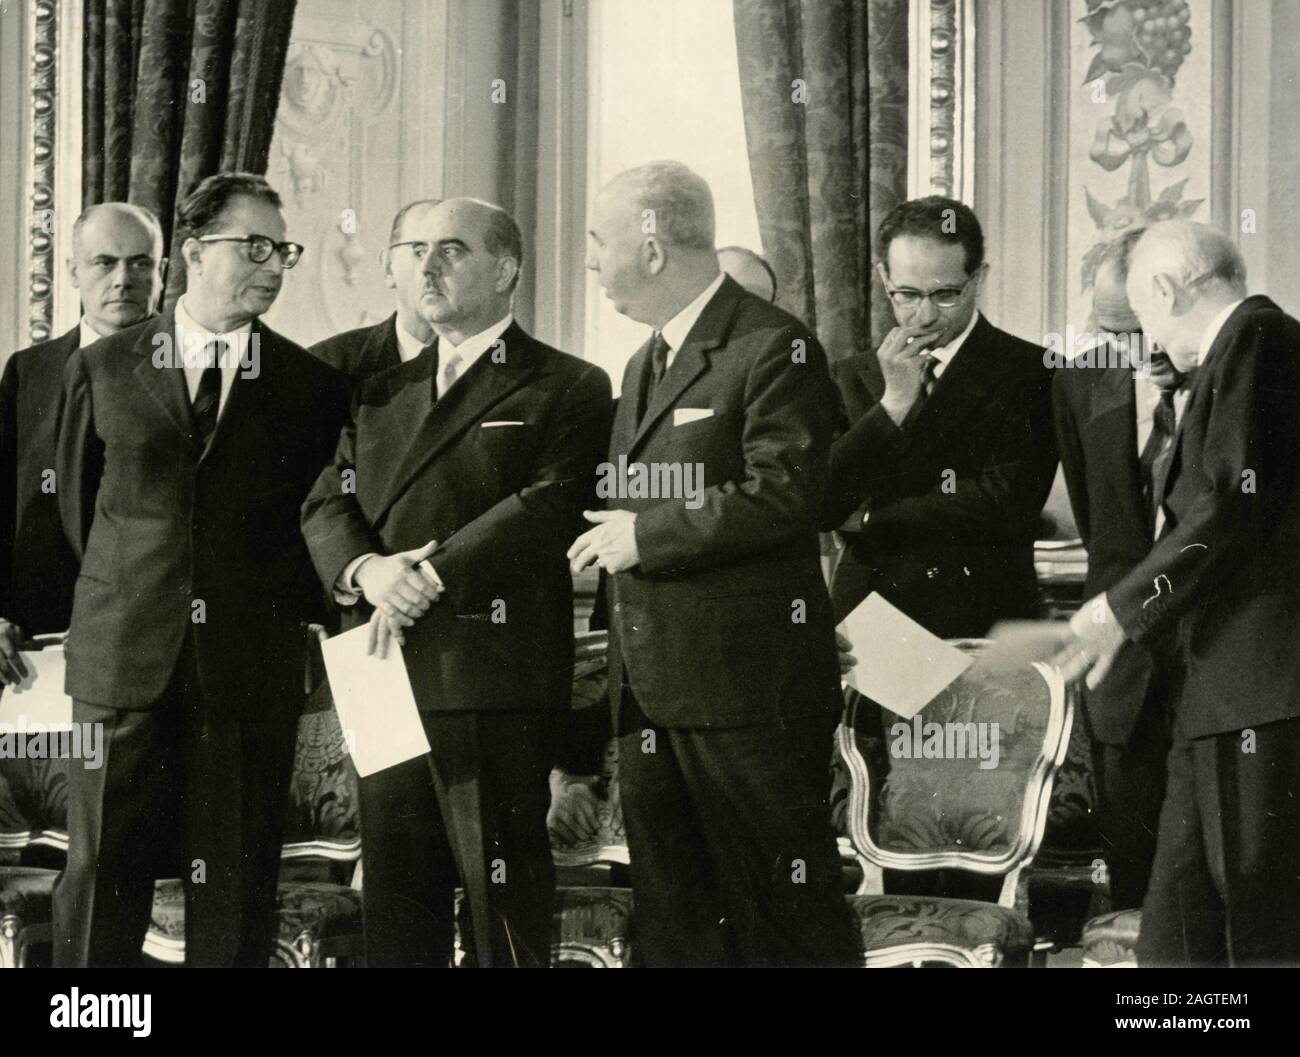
(900, 665)
(374, 700)
(38, 699)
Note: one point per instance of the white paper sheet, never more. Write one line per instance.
(38, 699)
(900, 665)
(375, 703)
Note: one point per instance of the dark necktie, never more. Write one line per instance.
(657, 350)
(207, 399)
(928, 382)
(1158, 452)
(431, 350)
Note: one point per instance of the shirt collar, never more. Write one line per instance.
(678, 329)
(1212, 331)
(469, 350)
(89, 335)
(408, 346)
(945, 353)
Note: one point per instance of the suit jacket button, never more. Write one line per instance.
(618, 607)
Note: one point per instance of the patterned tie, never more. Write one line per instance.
(657, 349)
(207, 398)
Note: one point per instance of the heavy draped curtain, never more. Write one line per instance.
(824, 90)
(174, 91)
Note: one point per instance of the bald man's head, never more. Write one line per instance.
(472, 267)
(117, 264)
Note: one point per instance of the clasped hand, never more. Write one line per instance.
(399, 590)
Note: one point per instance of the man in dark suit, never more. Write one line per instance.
(402, 336)
(472, 464)
(187, 446)
(1225, 573)
(949, 455)
(1116, 408)
(116, 265)
(723, 671)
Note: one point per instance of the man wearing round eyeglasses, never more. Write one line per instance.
(116, 266)
(402, 336)
(950, 455)
(186, 448)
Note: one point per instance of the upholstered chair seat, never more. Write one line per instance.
(1110, 941)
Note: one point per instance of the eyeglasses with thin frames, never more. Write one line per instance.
(260, 247)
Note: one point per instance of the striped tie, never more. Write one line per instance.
(207, 399)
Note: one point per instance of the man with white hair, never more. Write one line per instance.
(1225, 570)
(723, 672)
(116, 266)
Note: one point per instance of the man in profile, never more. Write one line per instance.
(1224, 575)
(750, 270)
(187, 446)
(723, 673)
(117, 267)
(1115, 427)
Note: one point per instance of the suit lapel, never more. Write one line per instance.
(691, 360)
(965, 383)
(166, 384)
(484, 385)
(248, 395)
(381, 349)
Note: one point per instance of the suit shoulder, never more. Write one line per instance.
(338, 349)
(309, 368)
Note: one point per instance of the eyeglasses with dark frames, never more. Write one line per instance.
(944, 297)
(260, 247)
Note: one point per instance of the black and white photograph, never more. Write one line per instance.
(650, 484)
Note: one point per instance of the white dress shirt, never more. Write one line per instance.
(1212, 331)
(1146, 396)
(88, 335)
(191, 341)
(408, 346)
(453, 362)
(677, 329)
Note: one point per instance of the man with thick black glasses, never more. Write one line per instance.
(938, 483)
(405, 334)
(187, 446)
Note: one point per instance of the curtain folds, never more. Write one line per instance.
(174, 91)
(824, 90)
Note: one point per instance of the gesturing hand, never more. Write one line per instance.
(611, 544)
(396, 587)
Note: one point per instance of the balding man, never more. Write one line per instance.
(402, 336)
(750, 270)
(723, 671)
(1116, 411)
(472, 464)
(117, 266)
(1225, 572)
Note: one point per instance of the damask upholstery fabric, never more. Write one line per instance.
(33, 795)
(1110, 941)
(925, 804)
(824, 89)
(175, 90)
(891, 921)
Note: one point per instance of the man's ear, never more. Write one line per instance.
(653, 255)
(71, 263)
(386, 263)
(507, 270)
(190, 251)
(1165, 288)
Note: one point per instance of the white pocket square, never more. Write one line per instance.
(489, 425)
(683, 415)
